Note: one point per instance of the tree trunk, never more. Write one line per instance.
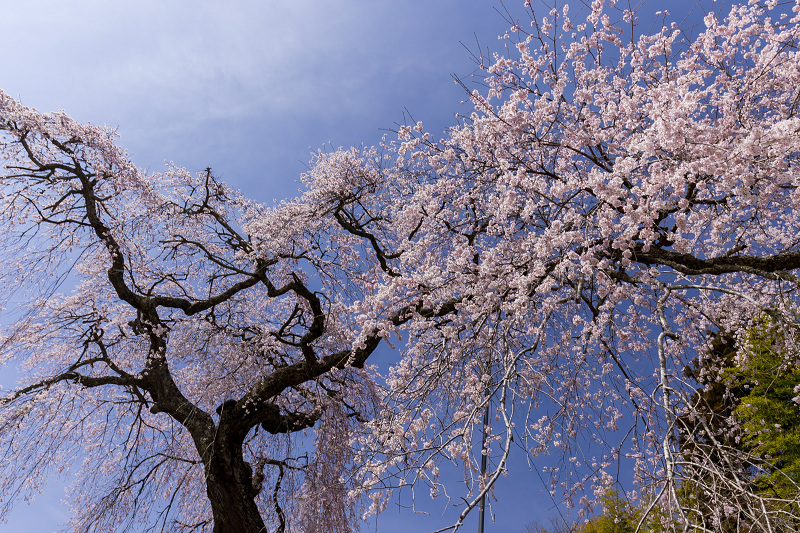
(230, 489)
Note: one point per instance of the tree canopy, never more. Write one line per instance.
(559, 256)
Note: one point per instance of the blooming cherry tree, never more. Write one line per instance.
(187, 347)
(555, 261)
(611, 202)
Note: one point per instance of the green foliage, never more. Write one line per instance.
(768, 417)
(746, 405)
(620, 516)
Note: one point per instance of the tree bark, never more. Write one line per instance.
(229, 485)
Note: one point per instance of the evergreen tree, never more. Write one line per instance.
(743, 418)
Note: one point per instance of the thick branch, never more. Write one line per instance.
(74, 377)
(772, 267)
(254, 407)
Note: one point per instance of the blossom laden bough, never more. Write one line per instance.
(636, 192)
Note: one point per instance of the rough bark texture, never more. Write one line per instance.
(230, 490)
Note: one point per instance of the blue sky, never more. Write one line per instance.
(248, 87)
(251, 88)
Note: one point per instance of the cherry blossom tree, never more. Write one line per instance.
(556, 260)
(187, 348)
(612, 201)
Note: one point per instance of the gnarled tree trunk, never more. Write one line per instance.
(230, 489)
